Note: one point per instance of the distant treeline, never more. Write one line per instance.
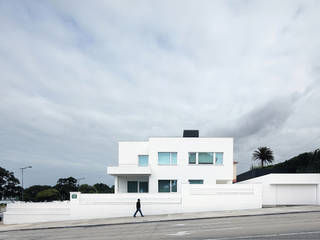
(61, 191)
(10, 189)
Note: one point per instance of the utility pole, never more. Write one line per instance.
(22, 169)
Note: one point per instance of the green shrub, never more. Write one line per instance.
(48, 195)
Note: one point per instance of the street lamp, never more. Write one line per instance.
(22, 169)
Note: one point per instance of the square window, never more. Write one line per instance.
(132, 186)
(164, 185)
(164, 158)
(192, 158)
(205, 158)
(143, 187)
(143, 160)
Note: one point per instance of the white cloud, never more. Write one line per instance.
(77, 78)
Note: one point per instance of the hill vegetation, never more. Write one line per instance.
(308, 162)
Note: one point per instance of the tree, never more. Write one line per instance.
(48, 195)
(65, 186)
(264, 155)
(85, 188)
(102, 188)
(316, 160)
(9, 188)
(30, 193)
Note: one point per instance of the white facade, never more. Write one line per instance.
(181, 170)
(288, 189)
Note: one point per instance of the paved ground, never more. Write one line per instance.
(282, 226)
(161, 218)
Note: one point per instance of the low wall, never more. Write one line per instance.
(29, 212)
(193, 198)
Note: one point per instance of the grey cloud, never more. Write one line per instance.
(263, 119)
(78, 78)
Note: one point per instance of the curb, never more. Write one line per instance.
(154, 221)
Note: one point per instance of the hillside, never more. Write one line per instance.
(308, 162)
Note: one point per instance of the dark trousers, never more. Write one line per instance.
(138, 210)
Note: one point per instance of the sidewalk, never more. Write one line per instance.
(160, 218)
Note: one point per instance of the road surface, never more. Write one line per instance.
(283, 226)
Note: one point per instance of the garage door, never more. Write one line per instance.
(296, 194)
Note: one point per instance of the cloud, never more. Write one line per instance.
(78, 78)
(263, 119)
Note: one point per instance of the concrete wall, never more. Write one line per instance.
(129, 151)
(183, 171)
(193, 198)
(288, 189)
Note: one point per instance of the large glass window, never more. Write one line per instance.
(195, 181)
(192, 158)
(167, 158)
(167, 186)
(132, 186)
(143, 187)
(205, 158)
(143, 160)
(219, 158)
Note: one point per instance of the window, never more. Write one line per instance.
(143, 187)
(192, 158)
(205, 157)
(143, 160)
(132, 186)
(167, 158)
(167, 186)
(194, 181)
(219, 158)
(221, 181)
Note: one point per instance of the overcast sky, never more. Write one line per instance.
(79, 76)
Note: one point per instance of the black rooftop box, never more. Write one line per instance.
(190, 133)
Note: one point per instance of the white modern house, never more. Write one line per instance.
(174, 175)
(169, 175)
(163, 165)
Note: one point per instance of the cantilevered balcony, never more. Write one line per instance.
(128, 170)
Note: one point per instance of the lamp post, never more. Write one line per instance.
(22, 169)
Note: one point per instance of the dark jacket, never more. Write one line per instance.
(138, 205)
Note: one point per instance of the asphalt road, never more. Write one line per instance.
(286, 226)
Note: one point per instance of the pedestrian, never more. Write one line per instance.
(138, 205)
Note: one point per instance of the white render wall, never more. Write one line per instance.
(288, 189)
(193, 198)
(183, 171)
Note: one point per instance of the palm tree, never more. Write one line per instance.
(263, 154)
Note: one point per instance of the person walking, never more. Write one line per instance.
(138, 205)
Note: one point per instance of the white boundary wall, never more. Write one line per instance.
(193, 198)
(288, 189)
